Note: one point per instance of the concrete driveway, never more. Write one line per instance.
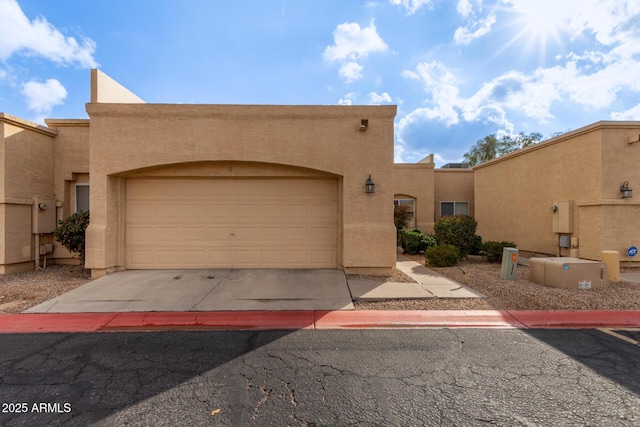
(206, 290)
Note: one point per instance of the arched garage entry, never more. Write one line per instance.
(232, 215)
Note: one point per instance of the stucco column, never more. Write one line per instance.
(103, 236)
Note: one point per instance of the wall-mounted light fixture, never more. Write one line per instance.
(364, 124)
(42, 206)
(554, 208)
(370, 186)
(625, 190)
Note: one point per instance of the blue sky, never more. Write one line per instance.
(457, 69)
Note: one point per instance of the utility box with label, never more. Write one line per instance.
(509, 264)
(569, 273)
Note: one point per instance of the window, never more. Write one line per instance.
(82, 197)
(454, 208)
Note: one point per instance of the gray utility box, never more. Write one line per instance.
(570, 273)
(509, 265)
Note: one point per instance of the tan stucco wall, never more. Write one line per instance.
(26, 172)
(106, 90)
(416, 181)
(71, 166)
(127, 137)
(453, 185)
(514, 194)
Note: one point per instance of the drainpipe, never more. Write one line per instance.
(37, 252)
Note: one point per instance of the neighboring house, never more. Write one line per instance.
(260, 186)
(563, 196)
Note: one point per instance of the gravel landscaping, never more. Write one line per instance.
(21, 291)
(519, 294)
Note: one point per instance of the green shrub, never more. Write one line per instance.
(476, 248)
(443, 255)
(70, 232)
(457, 230)
(415, 241)
(493, 250)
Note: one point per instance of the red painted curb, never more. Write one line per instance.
(415, 319)
(578, 319)
(235, 320)
(71, 322)
(262, 320)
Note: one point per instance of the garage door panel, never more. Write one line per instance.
(138, 210)
(246, 189)
(140, 257)
(219, 210)
(189, 210)
(298, 211)
(231, 223)
(217, 189)
(195, 258)
(139, 235)
(271, 189)
(193, 234)
(271, 234)
(217, 234)
(322, 257)
(167, 234)
(271, 211)
(245, 211)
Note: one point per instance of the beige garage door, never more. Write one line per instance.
(231, 223)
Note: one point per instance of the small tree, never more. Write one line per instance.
(401, 216)
(70, 232)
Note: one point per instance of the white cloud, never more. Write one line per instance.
(473, 30)
(352, 43)
(347, 99)
(379, 98)
(350, 71)
(411, 6)
(39, 38)
(441, 85)
(464, 8)
(630, 114)
(42, 97)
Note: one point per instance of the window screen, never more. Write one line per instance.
(82, 197)
(446, 208)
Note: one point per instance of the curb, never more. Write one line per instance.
(293, 320)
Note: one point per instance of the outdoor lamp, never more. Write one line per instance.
(625, 190)
(370, 186)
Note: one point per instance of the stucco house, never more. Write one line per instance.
(263, 186)
(566, 196)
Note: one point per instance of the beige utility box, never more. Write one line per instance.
(570, 273)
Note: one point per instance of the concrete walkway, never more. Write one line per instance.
(429, 285)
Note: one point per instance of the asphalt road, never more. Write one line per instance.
(448, 377)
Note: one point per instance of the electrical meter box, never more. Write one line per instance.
(569, 273)
(509, 264)
(43, 216)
